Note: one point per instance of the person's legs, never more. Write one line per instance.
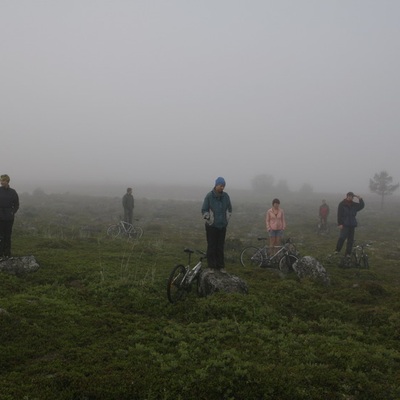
(272, 242)
(126, 216)
(7, 232)
(342, 237)
(130, 216)
(2, 232)
(271, 245)
(220, 257)
(278, 238)
(350, 240)
(211, 235)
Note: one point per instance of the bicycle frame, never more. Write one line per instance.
(181, 277)
(359, 257)
(287, 254)
(125, 228)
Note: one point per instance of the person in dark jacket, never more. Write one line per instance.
(128, 203)
(347, 222)
(9, 205)
(216, 210)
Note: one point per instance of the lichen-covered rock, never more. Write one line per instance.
(309, 267)
(212, 280)
(19, 265)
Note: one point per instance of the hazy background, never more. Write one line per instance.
(180, 92)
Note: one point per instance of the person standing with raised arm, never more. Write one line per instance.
(347, 222)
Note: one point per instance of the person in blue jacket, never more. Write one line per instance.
(9, 205)
(347, 222)
(216, 210)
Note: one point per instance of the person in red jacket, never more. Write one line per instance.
(9, 205)
(323, 214)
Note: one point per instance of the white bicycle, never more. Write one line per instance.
(125, 229)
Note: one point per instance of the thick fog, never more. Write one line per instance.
(180, 92)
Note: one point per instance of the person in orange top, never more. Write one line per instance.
(276, 224)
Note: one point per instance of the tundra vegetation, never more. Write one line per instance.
(94, 323)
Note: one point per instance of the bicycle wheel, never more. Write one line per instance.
(114, 230)
(175, 287)
(251, 257)
(135, 232)
(365, 261)
(355, 261)
(286, 263)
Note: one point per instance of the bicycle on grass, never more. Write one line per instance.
(358, 258)
(283, 259)
(181, 278)
(125, 229)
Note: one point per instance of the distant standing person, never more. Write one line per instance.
(323, 213)
(276, 224)
(9, 205)
(216, 210)
(347, 222)
(128, 202)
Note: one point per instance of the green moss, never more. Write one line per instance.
(94, 321)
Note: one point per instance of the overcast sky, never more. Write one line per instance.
(180, 91)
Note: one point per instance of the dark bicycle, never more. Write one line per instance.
(357, 259)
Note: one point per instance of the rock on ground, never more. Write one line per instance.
(212, 280)
(309, 267)
(19, 265)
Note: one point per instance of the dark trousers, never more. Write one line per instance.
(347, 232)
(128, 215)
(215, 247)
(5, 238)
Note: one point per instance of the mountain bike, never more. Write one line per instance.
(125, 229)
(181, 278)
(359, 257)
(283, 259)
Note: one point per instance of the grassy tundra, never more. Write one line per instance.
(94, 323)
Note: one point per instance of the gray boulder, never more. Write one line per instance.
(212, 280)
(19, 265)
(309, 267)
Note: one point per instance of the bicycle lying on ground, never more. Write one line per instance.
(181, 278)
(125, 229)
(283, 259)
